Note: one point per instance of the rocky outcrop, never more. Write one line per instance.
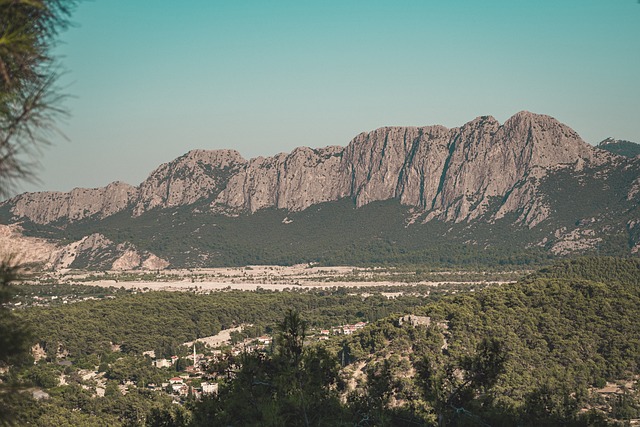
(481, 169)
(293, 182)
(18, 249)
(454, 173)
(154, 263)
(92, 251)
(198, 174)
(129, 260)
(530, 171)
(79, 203)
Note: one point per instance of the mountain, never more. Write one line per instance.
(529, 185)
(620, 147)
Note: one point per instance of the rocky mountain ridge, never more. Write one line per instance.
(455, 174)
(485, 192)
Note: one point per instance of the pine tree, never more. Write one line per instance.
(29, 107)
(29, 99)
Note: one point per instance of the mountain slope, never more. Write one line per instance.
(530, 184)
(620, 147)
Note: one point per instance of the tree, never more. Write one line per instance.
(290, 340)
(29, 107)
(451, 387)
(13, 334)
(29, 98)
(168, 416)
(14, 342)
(295, 385)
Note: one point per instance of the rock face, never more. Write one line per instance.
(453, 174)
(25, 250)
(94, 250)
(198, 174)
(294, 181)
(532, 180)
(79, 203)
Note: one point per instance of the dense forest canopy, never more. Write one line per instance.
(530, 353)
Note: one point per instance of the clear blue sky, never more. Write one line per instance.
(153, 79)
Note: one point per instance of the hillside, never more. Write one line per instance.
(620, 147)
(547, 345)
(527, 189)
(559, 347)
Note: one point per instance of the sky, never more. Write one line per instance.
(150, 80)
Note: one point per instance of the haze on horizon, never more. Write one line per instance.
(150, 81)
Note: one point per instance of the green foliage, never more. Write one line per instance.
(621, 148)
(294, 386)
(14, 334)
(528, 354)
(57, 293)
(173, 416)
(375, 234)
(164, 320)
(29, 101)
(529, 351)
(14, 341)
(136, 369)
(44, 375)
(599, 269)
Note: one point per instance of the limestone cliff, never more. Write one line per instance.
(294, 181)
(453, 173)
(195, 175)
(481, 169)
(198, 174)
(79, 203)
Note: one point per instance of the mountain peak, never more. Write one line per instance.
(222, 156)
(529, 118)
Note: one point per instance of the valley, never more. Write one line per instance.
(319, 214)
(119, 344)
(307, 277)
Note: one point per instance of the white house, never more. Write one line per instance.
(209, 388)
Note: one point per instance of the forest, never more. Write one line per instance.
(559, 347)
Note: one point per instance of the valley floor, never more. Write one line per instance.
(276, 278)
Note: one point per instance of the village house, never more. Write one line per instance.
(209, 388)
(183, 390)
(193, 370)
(414, 320)
(264, 340)
(348, 329)
(162, 363)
